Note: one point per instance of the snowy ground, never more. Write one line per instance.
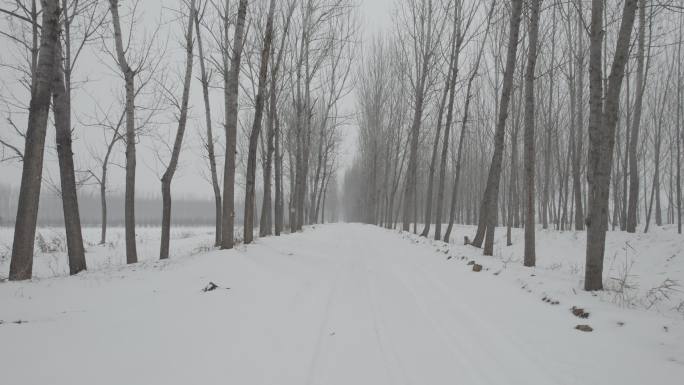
(642, 271)
(350, 304)
(50, 258)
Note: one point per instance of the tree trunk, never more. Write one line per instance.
(410, 182)
(279, 198)
(204, 79)
(317, 175)
(550, 125)
(103, 207)
(433, 159)
(273, 149)
(602, 122)
(530, 258)
(578, 150)
(513, 178)
(634, 135)
(266, 224)
(655, 190)
(449, 119)
(625, 159)
(678, 128)
(256, 129)
(464, 121)
(21, 264)
(423, 54)
(72, 219)
(489, 206)
(129, 78)
(178, 143)
(231, 88)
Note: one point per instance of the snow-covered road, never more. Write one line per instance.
(337, 304)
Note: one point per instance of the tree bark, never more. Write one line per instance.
(129, 78)
(433, 159)
(21, 263)
(103, 208)
(279, 196)
(548, 161)
(454, 68)
(231, 88)
(513, 177)
(464, 121)
(530, 257)
(602, 122)
(489, 206)
(634, 134)
(578, 146)
(657, 140)
(102, 179)
(211, 154)
(272, 218)
(256, 129)
(178, 143)
(266, 223)
(678, 129)
(72, 220)
(423, 53)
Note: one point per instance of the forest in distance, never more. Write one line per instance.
(188, 210)
(526, 114)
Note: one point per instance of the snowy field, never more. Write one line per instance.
(348, 304)
(50, 258)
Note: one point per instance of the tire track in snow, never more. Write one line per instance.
(316, 357)
(459, 357)
(391, 357)
(464, 319)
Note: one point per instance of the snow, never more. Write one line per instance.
(348, 304)
(642, 271)
(54, 262)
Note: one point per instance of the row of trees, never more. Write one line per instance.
(187, 211)
(283, 68)
(592, 88)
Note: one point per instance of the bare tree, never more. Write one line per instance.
(488, 208)
(101, 178)
(182, 107)
(602, 122)
(533, 37)
(72, 220)
(62, 96)
(636, 122)
(426, 31)
(211, 153)
(464, 121)
(231, 85)
(21, 264)
(129, 78)
(577, 131)
(273, 138)
(112, 120)
(678, 135)
(462, 20)
(447, 91)
(256, 128)
(658, 116)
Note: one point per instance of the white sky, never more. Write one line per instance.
(189, 180)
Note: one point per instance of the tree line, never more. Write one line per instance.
(534, 113)
(283, 68)
(188, 211)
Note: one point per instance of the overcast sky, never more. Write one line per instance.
(189, 181)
